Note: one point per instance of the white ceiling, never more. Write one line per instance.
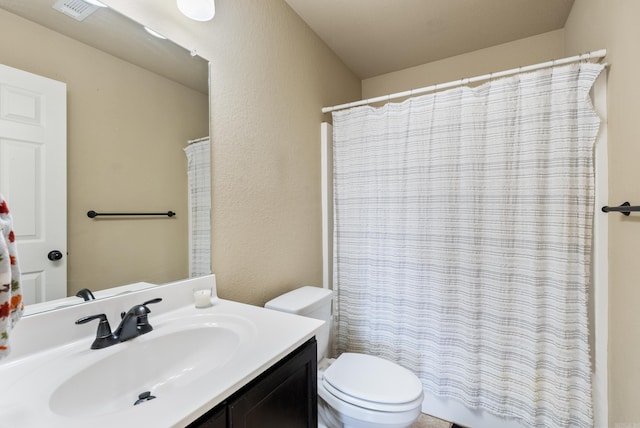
(374, 37)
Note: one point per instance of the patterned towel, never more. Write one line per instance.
(11, 306)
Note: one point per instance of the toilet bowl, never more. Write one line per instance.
(355, 390)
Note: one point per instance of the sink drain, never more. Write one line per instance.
(145, 396)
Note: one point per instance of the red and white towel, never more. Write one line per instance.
(11, 305)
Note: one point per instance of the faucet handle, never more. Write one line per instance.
(104, 329)
(148, 302)
(146, 309)
(103, 334)
(142, 310)
(143, 321)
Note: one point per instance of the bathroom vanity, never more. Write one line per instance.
(227, 365)
(285, 395)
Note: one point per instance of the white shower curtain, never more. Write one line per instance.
(462, 241)
(199, 180)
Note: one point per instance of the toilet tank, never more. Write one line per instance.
(312, 302)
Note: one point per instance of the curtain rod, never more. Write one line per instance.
(197, 140)
(587, 56)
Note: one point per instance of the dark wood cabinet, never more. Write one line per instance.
(214, 418)
(285, 395)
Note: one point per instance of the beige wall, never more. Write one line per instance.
(613, 24)
(531, 50)
(271, 75)
(126, 129)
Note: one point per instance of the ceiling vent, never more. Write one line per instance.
(76, 9)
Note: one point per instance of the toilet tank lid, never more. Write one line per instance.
(300, 301)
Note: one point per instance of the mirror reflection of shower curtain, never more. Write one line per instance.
(198, 154)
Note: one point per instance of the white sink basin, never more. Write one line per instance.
(163, 362)
(159, 364)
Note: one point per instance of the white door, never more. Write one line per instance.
(33, 178)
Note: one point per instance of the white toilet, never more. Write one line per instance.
(354, 390)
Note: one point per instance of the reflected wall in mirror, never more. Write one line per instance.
(133, 103)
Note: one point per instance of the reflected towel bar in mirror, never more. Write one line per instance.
(625, 208)
(93, 214)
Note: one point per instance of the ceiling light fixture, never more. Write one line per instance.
(198, 10)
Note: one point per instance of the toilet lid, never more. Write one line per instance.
(360, 378)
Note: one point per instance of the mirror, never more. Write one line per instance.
(134, 101)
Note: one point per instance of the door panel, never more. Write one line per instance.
(33, 158)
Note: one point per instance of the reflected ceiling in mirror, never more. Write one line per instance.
(110, 32)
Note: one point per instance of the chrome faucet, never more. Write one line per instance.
(134, 323)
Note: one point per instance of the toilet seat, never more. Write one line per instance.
(354, 416)
(372, 383)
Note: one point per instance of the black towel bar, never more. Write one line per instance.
(92, 214)
(625, 208)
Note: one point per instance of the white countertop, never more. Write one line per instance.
(35, 370)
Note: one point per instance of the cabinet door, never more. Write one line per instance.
(283, 396)
(215, 418)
